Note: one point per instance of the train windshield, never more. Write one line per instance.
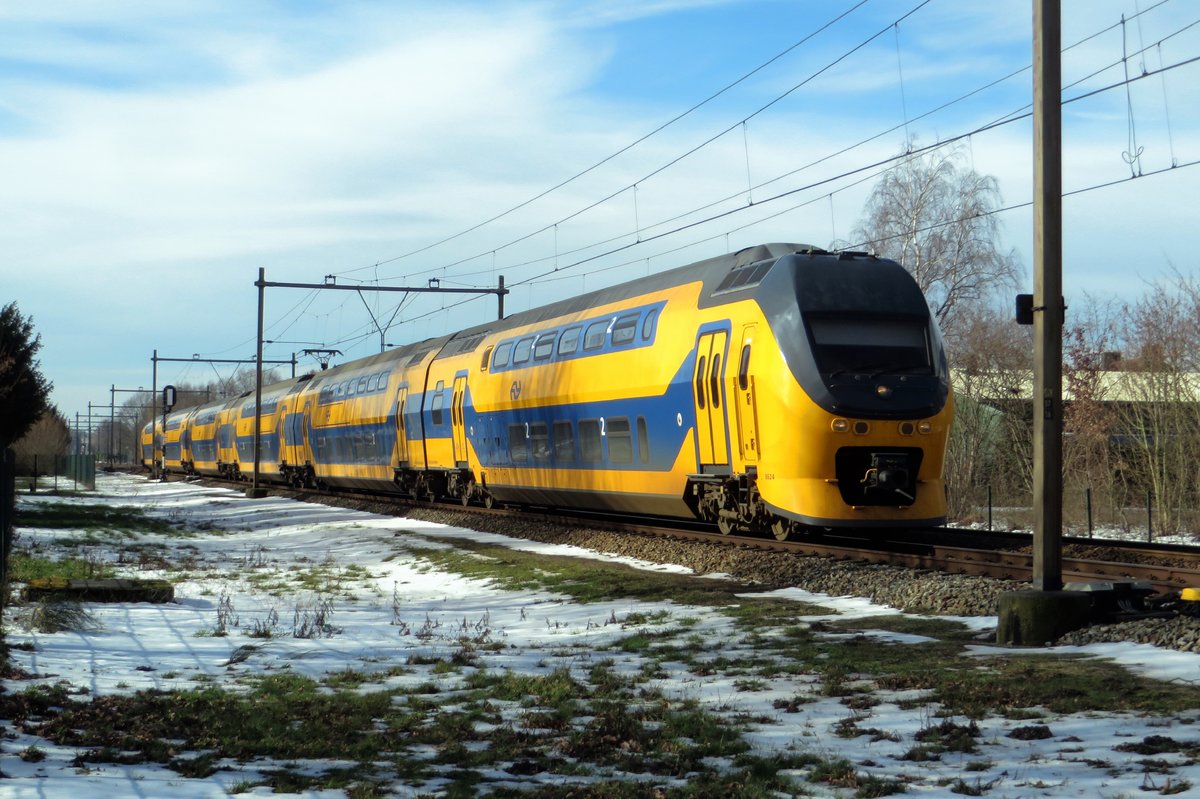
(875, 346)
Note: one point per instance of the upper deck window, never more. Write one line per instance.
(624, 329)
(594, 338)
(523, 348)
(569, 343)
(544, 347)
(502, 354)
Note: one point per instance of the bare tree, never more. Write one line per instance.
(1160, 401)
(990, 442)
(1089, 415)
(49, 437)
(934, 215)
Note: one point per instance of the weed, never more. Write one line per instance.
(32, 754)
(265, 627)
(314, 622)
(976, 788)
(226, 616)
(58, 616)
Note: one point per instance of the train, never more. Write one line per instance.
(776, 390)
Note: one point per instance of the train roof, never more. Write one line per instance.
(732, 277)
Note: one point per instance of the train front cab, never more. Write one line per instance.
(840, 405)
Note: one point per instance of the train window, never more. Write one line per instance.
(620, 442)
(714, 381)
(373, 383)
(487, 354)
(643, 440)
(439, 400)
(700, 383)
(857, 345)
(589, 441)
(362, 385)
(569, 342)
(544, 347)
(564, 442)
(624, 329)
(539, 441)
(502, 353)
(522, 350)
(648, 324)
(744, 369)
(350, 384)
(518, 444)
(594, 338)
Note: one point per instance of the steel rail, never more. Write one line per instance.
(927, 550)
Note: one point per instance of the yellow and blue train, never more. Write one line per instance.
(773, 389)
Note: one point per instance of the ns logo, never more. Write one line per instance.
(515, 390)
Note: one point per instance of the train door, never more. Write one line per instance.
(711, 432)
(747, 410)
(458, 427)
(401, 426)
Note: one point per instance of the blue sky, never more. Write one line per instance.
(157, 154)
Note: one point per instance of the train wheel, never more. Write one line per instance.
(488, 500)
(468, 492)
(726, 524)
(781, 529)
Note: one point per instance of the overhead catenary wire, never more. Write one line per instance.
(639, 226)
(813, 163)
(693, 150)
(558, 272)
(629, 146)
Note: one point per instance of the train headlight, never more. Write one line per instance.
(840, 426)
(883, 392)
(861, 428)
(925, 428)
(906, 428)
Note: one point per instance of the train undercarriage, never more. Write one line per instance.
(735, 506)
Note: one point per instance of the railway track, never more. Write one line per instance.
(1166, 568)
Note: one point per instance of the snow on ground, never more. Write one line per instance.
(386, 595)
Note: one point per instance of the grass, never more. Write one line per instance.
(583, 580)
(776, 644)
(569, 727)
(25, 568)
(117, 520)
(595, 720)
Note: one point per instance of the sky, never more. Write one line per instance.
(243, 550)
(156, 154)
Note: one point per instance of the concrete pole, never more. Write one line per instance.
(154, 415)
(255, 491)
(1047, 295)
